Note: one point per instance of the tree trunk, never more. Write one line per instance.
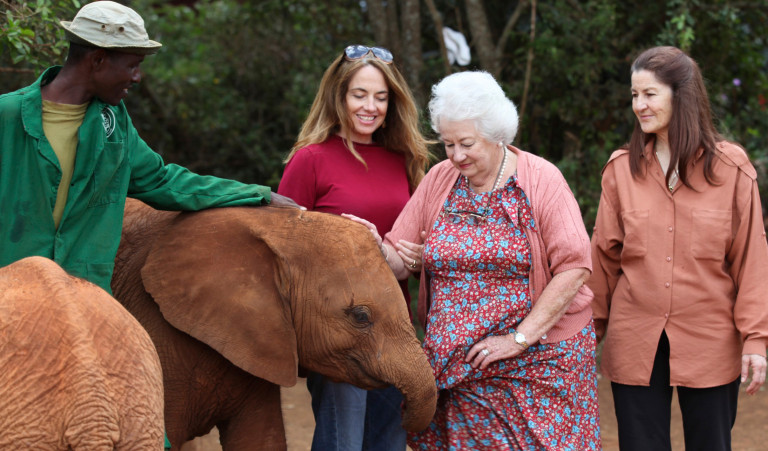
(481, 37)
(378, 19)
(411, 47)
(437, 18)
(393, 28)
(529, 62)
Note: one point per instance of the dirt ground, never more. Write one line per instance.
(749, 434)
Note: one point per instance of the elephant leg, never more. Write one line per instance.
(258, 425)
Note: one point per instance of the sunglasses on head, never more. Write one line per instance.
(356, 52)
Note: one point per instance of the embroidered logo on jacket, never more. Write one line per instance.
(108, 119)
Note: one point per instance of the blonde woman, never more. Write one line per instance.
(360, 151)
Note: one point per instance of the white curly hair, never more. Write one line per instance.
(476, 96)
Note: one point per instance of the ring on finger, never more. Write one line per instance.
(485, 352)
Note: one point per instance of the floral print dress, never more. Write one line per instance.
(479, 258)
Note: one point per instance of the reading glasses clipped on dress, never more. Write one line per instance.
(470, 217)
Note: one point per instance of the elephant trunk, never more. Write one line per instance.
(420, 394)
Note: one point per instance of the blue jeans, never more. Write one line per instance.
(348, 418)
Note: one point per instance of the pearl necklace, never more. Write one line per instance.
(499, 174)
(486, 209)
(501, 169)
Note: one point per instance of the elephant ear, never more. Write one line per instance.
(215, 277)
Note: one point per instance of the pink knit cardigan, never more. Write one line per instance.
(560, 242)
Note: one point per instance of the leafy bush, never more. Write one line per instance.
(228, 91)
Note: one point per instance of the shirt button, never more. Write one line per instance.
(666, 285)
(669, 228)
(666, 315)
(669, 259)
(53, 189)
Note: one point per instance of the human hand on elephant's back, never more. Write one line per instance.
(278, 200)
(368, 224)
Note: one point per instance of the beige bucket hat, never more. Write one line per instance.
(112, 26)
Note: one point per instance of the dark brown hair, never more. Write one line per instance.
(690, 127)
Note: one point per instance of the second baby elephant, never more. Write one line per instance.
(77, 372)
(236, 299)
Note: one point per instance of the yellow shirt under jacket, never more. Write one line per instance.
(692, 262)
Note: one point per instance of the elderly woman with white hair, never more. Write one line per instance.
(505, 256)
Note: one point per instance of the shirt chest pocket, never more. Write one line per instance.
(635, 233)
(710, 234)
(108, 175)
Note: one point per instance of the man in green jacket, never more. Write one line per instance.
(70, 155)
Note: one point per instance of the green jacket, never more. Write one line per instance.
(112, 162)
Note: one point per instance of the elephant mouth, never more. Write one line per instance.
(365, 379)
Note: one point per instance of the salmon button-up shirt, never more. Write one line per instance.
(691, 262)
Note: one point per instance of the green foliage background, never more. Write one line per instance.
(228, 91)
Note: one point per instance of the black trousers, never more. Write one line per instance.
(644, 413)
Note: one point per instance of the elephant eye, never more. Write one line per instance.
(360, 315)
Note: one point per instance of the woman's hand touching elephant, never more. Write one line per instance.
(371, 226)
(409, 254)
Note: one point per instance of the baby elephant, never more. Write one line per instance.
(78, 372)
(237, 299)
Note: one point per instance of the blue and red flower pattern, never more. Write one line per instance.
(543, 399)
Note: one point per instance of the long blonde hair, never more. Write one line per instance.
(328, 115)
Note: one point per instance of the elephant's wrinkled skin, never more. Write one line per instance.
(77, 371)
(249, 294)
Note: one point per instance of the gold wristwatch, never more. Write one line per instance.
(520, 339)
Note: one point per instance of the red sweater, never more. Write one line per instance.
(327, 177)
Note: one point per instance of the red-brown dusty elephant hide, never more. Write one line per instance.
(77, 371)
(237, 298)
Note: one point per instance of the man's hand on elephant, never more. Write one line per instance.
(278, 200)
(758, 365)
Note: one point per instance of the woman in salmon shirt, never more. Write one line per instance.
(680, 265)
